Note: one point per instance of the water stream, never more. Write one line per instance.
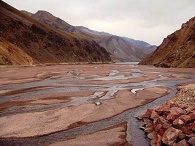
(135, 136)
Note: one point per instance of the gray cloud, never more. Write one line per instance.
(148, 20)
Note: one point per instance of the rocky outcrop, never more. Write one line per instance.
(170, 124)
(124, 49)
(177, 50)
(12, 55)
(45, 44)
(173, 123)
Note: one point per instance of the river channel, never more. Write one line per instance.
(46, 105)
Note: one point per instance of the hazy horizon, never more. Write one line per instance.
(146, 20)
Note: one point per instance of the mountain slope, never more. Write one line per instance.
(177, 50)
(12, 55)
(46, 44)
(121, 48)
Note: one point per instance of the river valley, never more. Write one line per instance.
(93, 104)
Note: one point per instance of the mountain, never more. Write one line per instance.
(27, 13)
(43, 43)
(177, 50)
(121, 48)
(13, 55)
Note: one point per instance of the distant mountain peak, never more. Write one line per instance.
(25, 40)
(127, 49)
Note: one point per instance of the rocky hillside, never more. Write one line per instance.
(43, 43)
(13, 55)
(121, 48)
(177, 50)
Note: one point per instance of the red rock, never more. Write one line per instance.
(147, 122)
(185, 118)
(182, 106)
(154, 115)
(147, 113)
(178, 123)
(170, 136)
(182, 143)
(192, 126)
(140, 117)
(149, 129)
(157, 127)
(182, 136)
(159, 140)
(162, 109)
(152, 135)
(161, 132)
(173, 104)
(156, 141)
(189, 109)
(148, 125)
(186, 130)
(191, 135)
(177, 110)
(192, 141)
(161, 120)
(192, 115)
(166, 125)
(172, 116)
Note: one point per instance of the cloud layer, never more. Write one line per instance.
(148, 20)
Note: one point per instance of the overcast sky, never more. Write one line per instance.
(147, 20)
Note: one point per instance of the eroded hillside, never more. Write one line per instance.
(44, 43)
(13, 55)
(177, 50)
(123, 49)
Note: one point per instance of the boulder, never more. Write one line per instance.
(148, 125)
(192, 115)
(186, 130)
(189, 109)
(166, 125)
(157, 127)
(178, 123)
(170, 136)
(170, 124)
(192, 141)
(185, 118)
(152, 135)
(182, 143)
(172, 116)
(156, 141)
(192, 126)
(177, 110)
(162, 109)
(161, 132)
(154, 115)
(182, 136)
(148, 113)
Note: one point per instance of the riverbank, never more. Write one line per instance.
(173, 123)
(50, 101)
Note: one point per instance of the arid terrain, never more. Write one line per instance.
(177, 50)
(121, 48)
(66, 85)
(82, 104)
(37, 43)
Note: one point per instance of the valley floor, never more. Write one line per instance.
(82, 104)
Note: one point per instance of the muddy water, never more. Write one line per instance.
(135, 136)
